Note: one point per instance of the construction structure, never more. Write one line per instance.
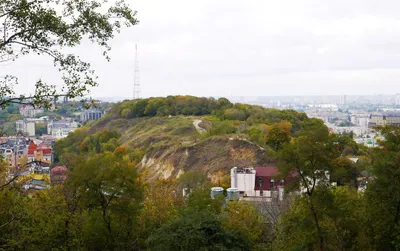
(136, 81)
(251, 183)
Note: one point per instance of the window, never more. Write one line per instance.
(282, 183)
(260, 182)
(272, 183)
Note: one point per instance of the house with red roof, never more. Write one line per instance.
(265, 178)
(257, 182)
(58, 175)
(41, 152)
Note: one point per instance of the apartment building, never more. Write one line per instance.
(29, 111)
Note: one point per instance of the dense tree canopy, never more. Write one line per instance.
(96, 209)
(8, 117)
(383, 195)
(46, 28)
(221, 108)
(105, 205)
(341, 218)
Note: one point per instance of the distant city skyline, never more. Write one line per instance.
(338, 99)
(244, 48)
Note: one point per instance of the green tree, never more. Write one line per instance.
(243, 217)
(310, 158)
(9, 128)
(162, 204)
(257, 135)
(383, 195)
(13, 212)
(234, 114)
(191, 180)
(40, 128)
(52, 221)
(222, 128)
(139, 108)
(344, 142)
(278, 135)
(13, 109)
(224, 103)
(200, 200)
(343, 172)
(342, 217)
(48, 27)
(110, 193)
(194, 230)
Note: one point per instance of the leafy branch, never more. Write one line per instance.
(46, 28)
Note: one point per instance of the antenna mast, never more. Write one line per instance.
(136, 81)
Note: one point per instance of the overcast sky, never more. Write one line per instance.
(247, 48)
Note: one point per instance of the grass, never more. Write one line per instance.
(175, 141)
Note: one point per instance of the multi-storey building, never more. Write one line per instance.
(397, 99)
(91, 114)
(27, 126)
(257, 182)
(40, 152)
(35, 176)
(360, 120)
(389, 119)
(61, 129)
(29, 111)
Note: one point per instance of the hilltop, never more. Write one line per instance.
(169, 136)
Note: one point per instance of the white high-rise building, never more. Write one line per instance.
(397, 101)
(27, 126)
(343, 100)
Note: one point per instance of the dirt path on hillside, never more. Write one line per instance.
(196, 123)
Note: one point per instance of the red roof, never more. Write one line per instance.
(59, 170)
(43, 148)
(43, 145)
(266, 171)
(32, 146)
(45, 151)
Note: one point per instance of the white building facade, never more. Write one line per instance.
(29, 111)
(244, 180)
(27, 126)
(61, 129)
(91, 115)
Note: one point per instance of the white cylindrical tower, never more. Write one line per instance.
(234, 179)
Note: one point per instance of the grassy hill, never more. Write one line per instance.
(161, 135)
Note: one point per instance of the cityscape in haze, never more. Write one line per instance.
(294, 101)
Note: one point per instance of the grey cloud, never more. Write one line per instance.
(253, 47)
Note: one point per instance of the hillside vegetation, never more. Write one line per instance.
(108, 204)
(160, 134)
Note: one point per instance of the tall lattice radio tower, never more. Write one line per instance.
(136, 81)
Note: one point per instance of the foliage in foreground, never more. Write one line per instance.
(105, 206)
(340, 218)
(47, 28)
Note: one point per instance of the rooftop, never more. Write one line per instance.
(267, 171)
(245, 170)
(59, 170)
